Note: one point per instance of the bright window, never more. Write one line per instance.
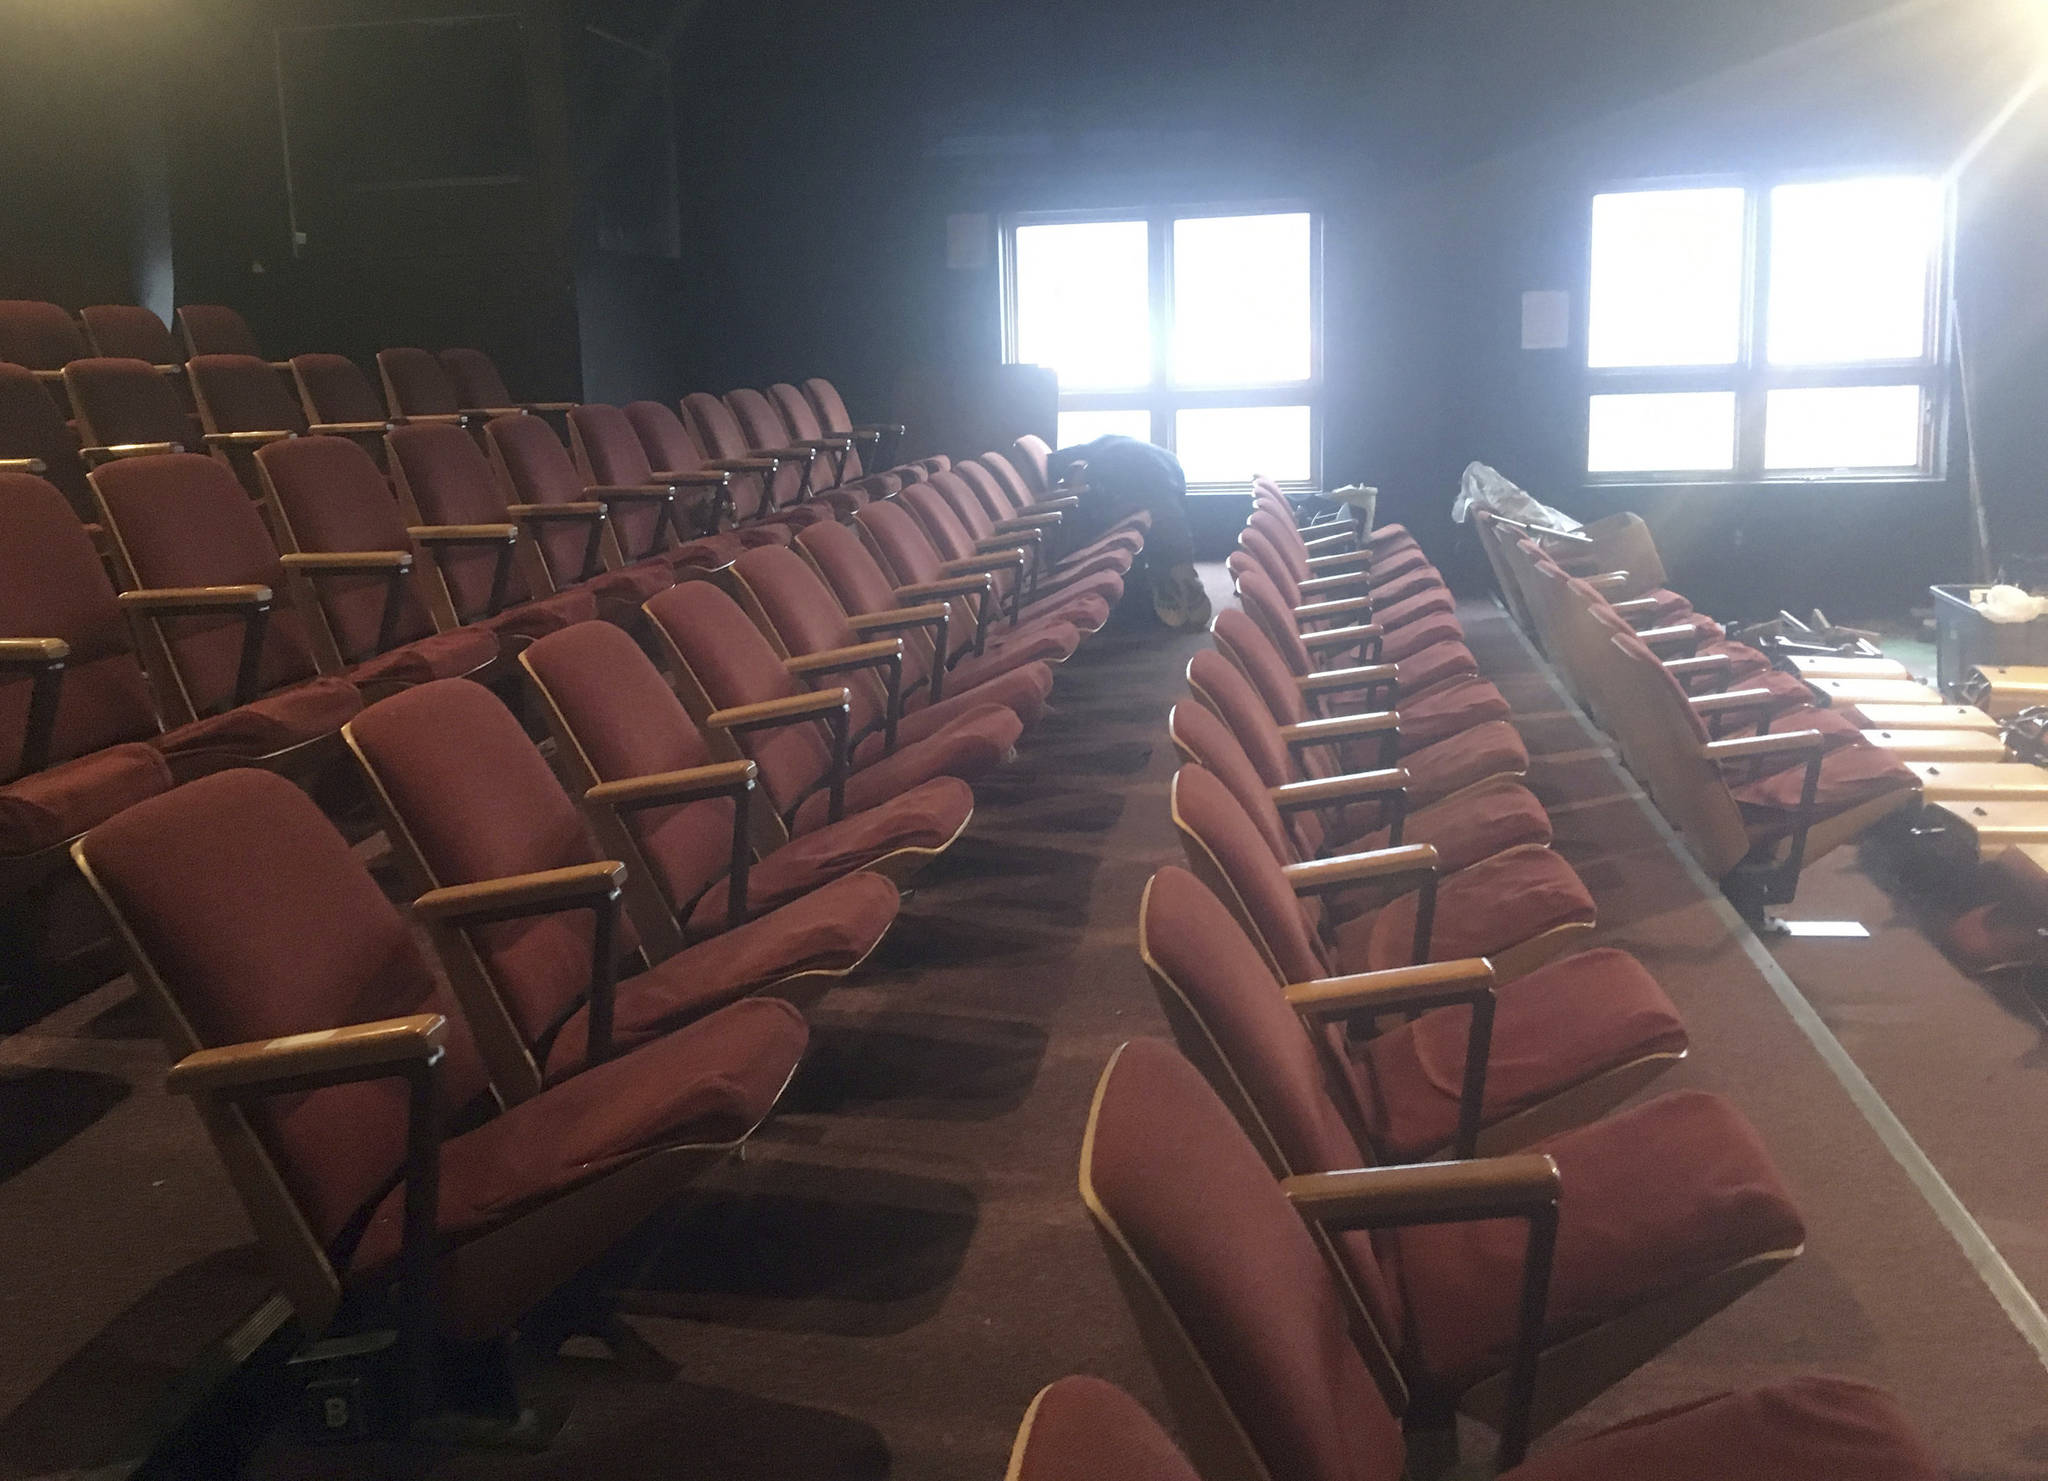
(1786, 330)
(1198, 328)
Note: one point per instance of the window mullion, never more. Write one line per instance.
(1751, 374)
(1160, 281)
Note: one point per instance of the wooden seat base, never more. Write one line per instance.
(1940, 745)
(1837, 692)
(1980, 781)
(1825, 667)
(1924, 717)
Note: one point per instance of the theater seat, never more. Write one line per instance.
(914, 558)
(735, 686)
(669, 445)
(273, 960)
(215, 329)
(689, 531)
(779, 479)
(620, 731)
(35, 438)
(473, 809)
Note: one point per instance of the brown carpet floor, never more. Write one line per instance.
(902, 1260)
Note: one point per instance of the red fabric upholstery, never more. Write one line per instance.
(976, 746)
(120, 401)
(448, 655)
(40, 336)
(1398, 563)
(1172, 1172)
(273, 723)
(1657, 1198)
(537, 469)
(1396, 614)
(547, 615)
(804, 426)
(1449, 709)
(1492, 748)
(713, 1081)
(1483, 910)
(1464, 830)
(1082, 1429)
(450, 482)
(130, 331)
(32, 427)
(718, 432)
(243, 394)
(474, 375)
(215, 329)
(50, 807)
(415, 384)
(1556, 1027)
(611, 452)
(1419, 582)
(1408, 642)
(1849, 777)
(183, 520)
(1804, 1430)
(52, 585)
(337, 390)
(954, 541)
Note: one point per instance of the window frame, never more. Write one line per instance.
(1752, 377)
(1160, 398)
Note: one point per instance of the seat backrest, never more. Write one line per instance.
(333, 388)
(415, 384)
(475, 378)
(52, 585)
(240, 393)
(32, 427)
(446, 479)
(988, 493)
(1246, 645)
(607, 450)
(716, 432)
(215, 329)
(468, 798)
(1275, 617)
(1227, 851)
(1082, 1429)
(614, 717)
(1257, 1353)
(130, 331)
(252, 919)
(1221, 687)
(903, 546)
(535, 468)
(1233, 1023)
(728, 431)
(1014, 491)
(1269, 562)
(827, 403)
(948, 534)
(1286, 539)
(848, 566)
(805, 617)
(121, 401)
(1201, 737)
(329, 498)
(667, 442)
(966, 505)
(801, 418)
(1033, 459)
(40, 336)
(182, 520)
(724, 662)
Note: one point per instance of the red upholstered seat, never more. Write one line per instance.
(806, 618)
(39, 336)
(1416, 673)
(1657, 1198)
(855, 470)
(215, 329)
(1082, 1429)
(670, 447)
(767, 493)
(269, 723)
(1398, 614)
(473, 798)
(475, 377)
(1482, 910)
(1850, 776)
(416, 385)
(240, 393)
(971, 489)
(617, 717)
(608, 451)
(259, 923)
(915, 559)
(731, 664)
(333, 388)
(952, 539)
(50, 807)
(821, 457)
(119, 402)
(537, 469)
(31, 426)
(130, 331)
(1419, 582)
(1491, 749)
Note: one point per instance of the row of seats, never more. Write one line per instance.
(737, 779)
(1757, 777)
(1365, 967)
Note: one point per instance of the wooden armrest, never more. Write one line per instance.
(626, 493)
(364, 562)
(1699, 664)
(895, 619)
(1332, 680)
(881, 429)
(1427, 1193)
(1058, 505)
(1334, 791)
(23, 465)
(488, 412)
(1344, 607)
(1341, 727)
(549, 405)
(743, 465)
(1396, 990)
(361, 1051)
(1039, 520)
(1731, 699)
(248, 439)
(840, 660)
(788, 710)
(1341, 545)
(1348, 560)
(1342, 637)
(1009, 540)
(33, 653)
(464, 534)
(196, 601)
(666, 788)
(576, 509)
(825, 444)
(344, 429)
(1316, 586)
(544, 892)
(705, 478)
(97, 454)
(794, 453)
(49, 377)
(1375, 866)
(1608, 581)
(1757, 747)
(953, 586)
(990, 562)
